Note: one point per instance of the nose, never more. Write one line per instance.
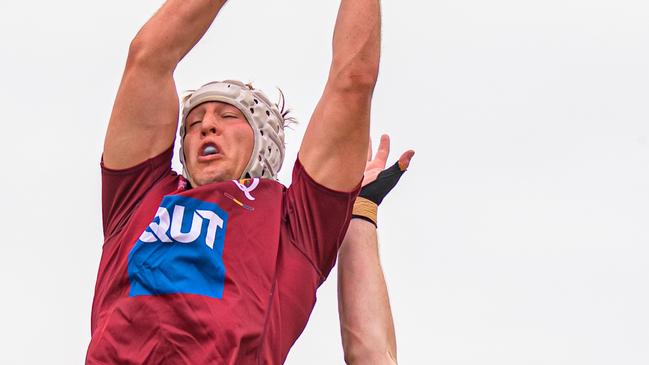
(210, 125)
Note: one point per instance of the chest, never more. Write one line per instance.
(208, 241)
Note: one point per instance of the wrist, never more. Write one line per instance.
(365, 209)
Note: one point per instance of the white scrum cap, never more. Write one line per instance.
(264, 117)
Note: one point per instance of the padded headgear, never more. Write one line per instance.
(264, 117)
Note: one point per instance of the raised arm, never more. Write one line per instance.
(366, 324)
(144, 119)
(335, 143)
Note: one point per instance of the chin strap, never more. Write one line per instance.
(372, 194)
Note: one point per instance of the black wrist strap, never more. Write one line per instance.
(355, 216)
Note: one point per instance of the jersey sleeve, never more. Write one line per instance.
(317, 218)
(122, 190)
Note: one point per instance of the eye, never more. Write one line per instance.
(229, 115)
(194, 123)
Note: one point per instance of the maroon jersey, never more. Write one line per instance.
(223, 273)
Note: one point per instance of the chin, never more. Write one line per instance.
(208, 178)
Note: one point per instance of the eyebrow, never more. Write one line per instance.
(226, 108)
(199, 109)
(230, 108)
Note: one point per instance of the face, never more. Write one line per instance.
(218, 143)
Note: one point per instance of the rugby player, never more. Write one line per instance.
(220, 265)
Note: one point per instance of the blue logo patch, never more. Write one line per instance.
(181, 251)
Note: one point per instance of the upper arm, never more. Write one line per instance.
(334, 148)
(144, 119)
(145, 115)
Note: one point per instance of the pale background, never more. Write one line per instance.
(519, 236)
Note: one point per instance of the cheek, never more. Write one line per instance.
(246, 138)
(188, 146)
(250, 139)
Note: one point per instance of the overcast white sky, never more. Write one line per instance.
(519, 235)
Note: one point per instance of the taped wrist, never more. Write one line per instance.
(372, 194)
(365, 209)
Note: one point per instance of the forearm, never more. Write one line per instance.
(366, 323)
(356, 44)
(173, 31)
(146, 105)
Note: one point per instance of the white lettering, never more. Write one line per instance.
(215, 223)
(148, 237)
(173, 225)
(176, 224)
(159, 229)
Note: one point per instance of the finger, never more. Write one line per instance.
(404, 160)
(369, 151)
(383, 151)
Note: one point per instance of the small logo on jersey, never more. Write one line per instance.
(247, 186)
(181, 250)
(238, 202)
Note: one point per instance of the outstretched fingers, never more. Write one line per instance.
(383, 152)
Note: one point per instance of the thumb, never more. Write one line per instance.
(404, 160)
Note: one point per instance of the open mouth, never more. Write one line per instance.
(209, 150)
